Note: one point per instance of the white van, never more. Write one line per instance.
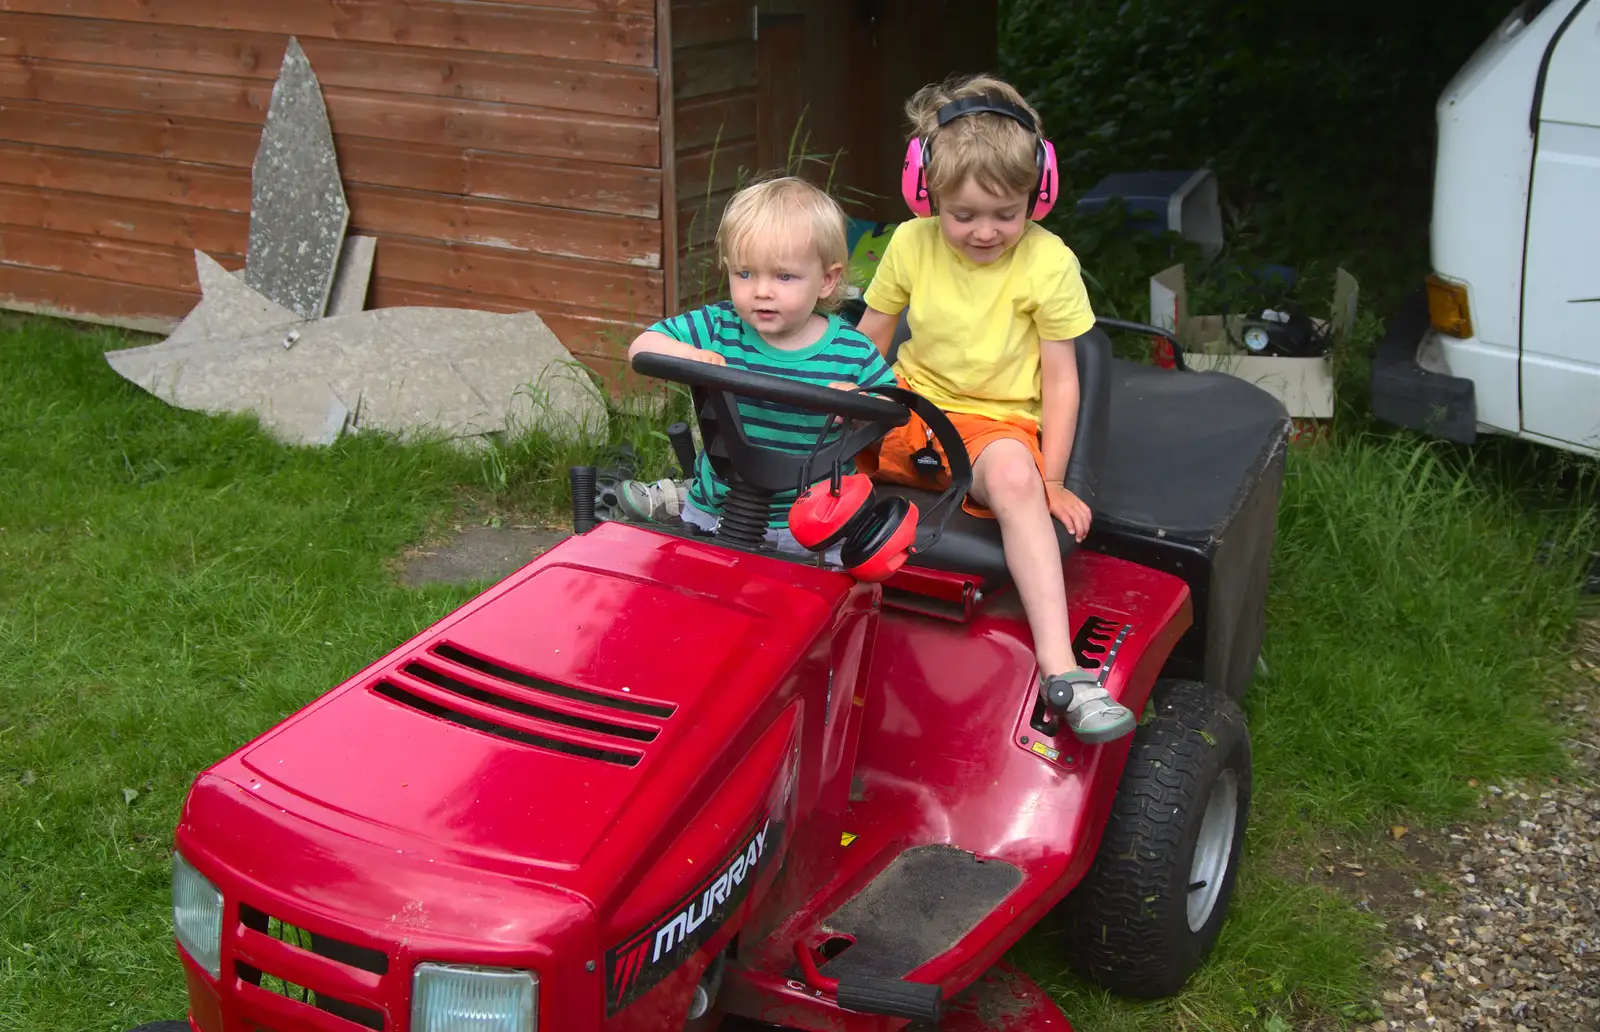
(1505, 338)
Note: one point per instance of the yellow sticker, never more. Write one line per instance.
(1046, 751)
(846, 839)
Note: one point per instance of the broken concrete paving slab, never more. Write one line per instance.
(259, 341)
(228, 307)
(496, 353)
(298, 211)
(403, 371)
(479, 554)
(354, 275)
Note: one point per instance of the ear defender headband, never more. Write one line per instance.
(919, 152)
(876, 535)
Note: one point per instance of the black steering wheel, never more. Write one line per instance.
(766, 387)
(722, 427)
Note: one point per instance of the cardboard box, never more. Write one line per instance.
(1304, 385)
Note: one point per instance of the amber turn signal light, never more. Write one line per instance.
(1447, 307)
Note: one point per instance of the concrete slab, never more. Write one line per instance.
(477, 555)
(228, 307)
(353, 276)
(298, 212)
(403, 371)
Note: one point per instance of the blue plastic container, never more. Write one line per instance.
(1184, 202)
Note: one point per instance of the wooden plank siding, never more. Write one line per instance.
(590, 32)
(714, 101)
(508, 154)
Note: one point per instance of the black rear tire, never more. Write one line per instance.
(1137, 924)
(163, 1026)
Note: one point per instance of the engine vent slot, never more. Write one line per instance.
(528, 709)
(362, 957)
(484, 666)
(395, 693)
(363, 1016)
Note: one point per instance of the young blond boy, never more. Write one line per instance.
(996, 304)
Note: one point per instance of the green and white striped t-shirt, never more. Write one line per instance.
(841, 354)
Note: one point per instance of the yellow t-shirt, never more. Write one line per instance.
(975, 329)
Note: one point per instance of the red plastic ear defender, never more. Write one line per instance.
(876, 535)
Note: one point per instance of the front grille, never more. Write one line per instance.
(363, 1016)
(363, 958)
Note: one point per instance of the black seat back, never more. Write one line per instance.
(1087, 463)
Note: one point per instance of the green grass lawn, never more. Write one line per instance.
(172, 585)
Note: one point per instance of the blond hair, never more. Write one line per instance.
(780, 219)
(991, 150)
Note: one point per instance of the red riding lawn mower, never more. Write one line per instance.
(660, 781)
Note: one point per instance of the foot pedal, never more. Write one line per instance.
(893, 997)
(921, 906)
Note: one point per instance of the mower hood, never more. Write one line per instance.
(569, 724)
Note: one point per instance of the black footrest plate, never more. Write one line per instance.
(918, 908)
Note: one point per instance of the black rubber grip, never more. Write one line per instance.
(683, 447)
(893, 997)
(582, 479)
(1059, 695)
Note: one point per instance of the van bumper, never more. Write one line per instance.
(1405, 394)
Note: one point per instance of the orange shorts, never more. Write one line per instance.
(892, 460)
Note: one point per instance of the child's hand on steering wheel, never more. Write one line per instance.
(708, 357)
(843, 385)
(1068, 508)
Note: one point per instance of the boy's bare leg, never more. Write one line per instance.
(1006, 481)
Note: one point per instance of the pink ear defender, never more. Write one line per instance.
(914, 181)
(914, 173)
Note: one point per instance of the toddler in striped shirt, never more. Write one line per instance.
(782, 242)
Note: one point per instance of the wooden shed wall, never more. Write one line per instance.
(751, 78)
(507, 154)
(714, 99)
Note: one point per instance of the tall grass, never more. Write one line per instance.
(1413, 631)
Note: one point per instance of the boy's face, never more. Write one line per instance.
(982, 225)
(777, 293)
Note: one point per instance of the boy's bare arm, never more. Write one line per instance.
(1058, 424)
(662, 344)
(878, 327)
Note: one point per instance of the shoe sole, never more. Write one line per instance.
(1109, 734)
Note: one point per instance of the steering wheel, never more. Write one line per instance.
(725, 438)
(766, 387)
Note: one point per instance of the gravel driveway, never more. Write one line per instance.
(1514, 943)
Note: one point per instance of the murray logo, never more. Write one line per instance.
(635, 966)
(688, 920)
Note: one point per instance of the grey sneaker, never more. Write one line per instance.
(659, 501)
(1092, 715)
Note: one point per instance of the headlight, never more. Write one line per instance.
(197, 915)
(446, 998)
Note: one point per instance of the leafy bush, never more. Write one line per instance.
(1317, 118)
